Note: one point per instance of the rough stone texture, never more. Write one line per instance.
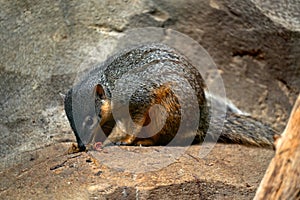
(51, 174)
(44, 44)
(285, 13)
(258, 57)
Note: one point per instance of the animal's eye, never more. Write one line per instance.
(89, 121)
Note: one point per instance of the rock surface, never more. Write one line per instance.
(51, 174)
(44, 45)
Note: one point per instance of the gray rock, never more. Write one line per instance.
(44, 45)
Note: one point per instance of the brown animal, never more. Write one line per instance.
(115, 104)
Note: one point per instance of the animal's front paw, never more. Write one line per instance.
(109, 143)
(122, 143)
(145, 142)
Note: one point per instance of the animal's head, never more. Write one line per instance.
(85, 108)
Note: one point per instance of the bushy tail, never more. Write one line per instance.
(239, 127)
(246, 130)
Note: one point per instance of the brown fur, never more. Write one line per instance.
(106, 112)
(162, 96)
(155, 109)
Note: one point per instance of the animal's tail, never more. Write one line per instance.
(246, 130)
(239, 127)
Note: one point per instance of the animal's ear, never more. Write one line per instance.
(100, 91)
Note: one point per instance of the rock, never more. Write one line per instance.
(45, 46)
(62, 176)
